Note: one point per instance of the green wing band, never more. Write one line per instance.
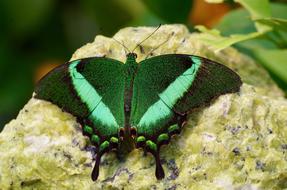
(91, 89)
(162, 109)
(88, 94)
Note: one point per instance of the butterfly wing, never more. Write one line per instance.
(56, 87)
(91, 89)
(104, 95)
(167, 87)
(171, 85)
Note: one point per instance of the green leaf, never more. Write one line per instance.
(270, 40)
(278, 10)
(227, 26)
(274, 60)
(258, 9)
(276, 23)
(268, 45)
(214, 39)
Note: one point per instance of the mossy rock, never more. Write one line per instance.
(238, 142)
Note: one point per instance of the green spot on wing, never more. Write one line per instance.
(114, 140)
(162, 137)
(104, 146)
(173, 128)
(95, 139)
(151, 145)
(88, 129)
(141, 139)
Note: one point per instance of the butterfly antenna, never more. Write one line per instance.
(157, 47)
(147, 37)
(125, 47)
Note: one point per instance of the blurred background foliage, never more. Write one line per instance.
(37, 35)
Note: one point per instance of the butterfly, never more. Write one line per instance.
(135, 105)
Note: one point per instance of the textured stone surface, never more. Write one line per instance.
(238, 142)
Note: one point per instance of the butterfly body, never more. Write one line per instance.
(122, 106)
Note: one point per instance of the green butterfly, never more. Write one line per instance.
(122, 106)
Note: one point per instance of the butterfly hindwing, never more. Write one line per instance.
(169, 86)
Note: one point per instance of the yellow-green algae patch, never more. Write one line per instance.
(238, 142)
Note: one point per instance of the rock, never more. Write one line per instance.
(238, 142)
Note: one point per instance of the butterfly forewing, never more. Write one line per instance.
(91, 89)
(212, 80)
(155, 93)
(56, 87)
(168, 86)
(108, 79)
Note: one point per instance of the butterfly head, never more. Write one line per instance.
(132, 56)
(131, 63)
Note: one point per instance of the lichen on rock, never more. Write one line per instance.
(238, 142)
